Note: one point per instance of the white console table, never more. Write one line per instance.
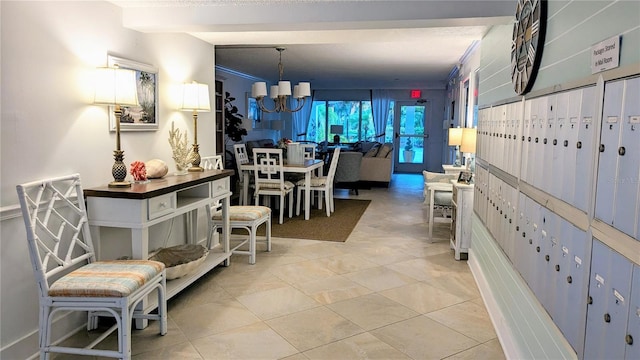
(460, 236)
(143, 205)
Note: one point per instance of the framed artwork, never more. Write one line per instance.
(254, 114)
(145, 116)
(465, 177)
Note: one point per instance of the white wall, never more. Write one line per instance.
(49, 126)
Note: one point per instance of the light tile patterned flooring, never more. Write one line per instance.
(386, 293)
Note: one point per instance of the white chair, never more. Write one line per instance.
(242, 158)
(212, 162)
(439, 189)
(269, 178)
(321, 184)
(240, 217)
(69, 277)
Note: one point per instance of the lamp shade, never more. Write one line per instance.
(336, 129)
(455, 136)
(304, 89)
(115, 86)
(284, 88)
(259, 89)
(468, 140)
(195, 97)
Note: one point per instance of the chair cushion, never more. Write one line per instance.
(287, 185)
(373, 151)
(443, 198)
(431, 177)
(315, 181)
(244, 213)
(384, 151)
(117, 278)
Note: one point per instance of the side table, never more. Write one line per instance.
(460, 236)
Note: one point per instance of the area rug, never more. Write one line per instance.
(337, 227)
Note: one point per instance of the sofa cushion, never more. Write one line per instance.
(373, 151)
(385, 150)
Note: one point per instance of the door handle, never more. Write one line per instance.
(397, 135)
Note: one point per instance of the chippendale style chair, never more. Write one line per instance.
(269, 178)
(70, 279)
(248, 218)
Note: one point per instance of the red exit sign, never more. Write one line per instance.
(416, 94)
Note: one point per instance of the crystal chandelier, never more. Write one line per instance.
(280, 92)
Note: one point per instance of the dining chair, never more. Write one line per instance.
(440, 192)
(70, 279)
(240, 217)
(242, 158)
(321, 184)
(269, 178)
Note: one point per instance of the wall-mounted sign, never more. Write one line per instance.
(605, 55)
(416, 94)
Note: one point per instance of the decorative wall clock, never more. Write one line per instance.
(527, 42)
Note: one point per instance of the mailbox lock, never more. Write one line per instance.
(522, 137)
(518, 228)
(621, 151)
(524, 234)
(529, 138)
(557, 267)
(569, 279)
(530, 242)
(555, 142)
(607, 318)
(601, 147)
(566, 143)
(509, 221)
(629, 339)
(536, 140)
(579, 144)
(546, 257)
(589, 300)
(538, 248)
(544, 141)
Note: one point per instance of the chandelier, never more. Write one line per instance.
(280, 92)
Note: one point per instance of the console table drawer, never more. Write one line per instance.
(220, 186)
(161, 205)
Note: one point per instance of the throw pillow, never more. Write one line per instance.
(372, 152)
(431, 177)
(385, 149)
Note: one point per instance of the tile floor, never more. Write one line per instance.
(386, 293)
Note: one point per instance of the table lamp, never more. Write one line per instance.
(468, 146)
(195, 97)
(455, 139)
(116, 87)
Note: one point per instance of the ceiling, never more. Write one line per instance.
(358, 44)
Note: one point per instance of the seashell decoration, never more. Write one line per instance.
(156, 168)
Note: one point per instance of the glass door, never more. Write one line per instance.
(410, 137)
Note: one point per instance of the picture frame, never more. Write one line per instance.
(465, 177)
(145, 116)
(254, 114)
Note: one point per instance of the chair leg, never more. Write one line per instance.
(319, 199)
(268, 233)
(328, 202)
(290, 204)
(281, 208)
(299, 198)
(252, 245)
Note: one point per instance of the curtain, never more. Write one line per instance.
(301, 118)
(380, 101)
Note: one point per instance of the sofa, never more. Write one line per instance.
(377, 165)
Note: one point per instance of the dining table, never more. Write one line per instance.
(307, 168)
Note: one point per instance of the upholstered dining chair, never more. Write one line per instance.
(242, 158)
(321, 184)
(269, 178)
(70, 279)
(248, 218)
(438, 189)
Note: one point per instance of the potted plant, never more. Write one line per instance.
(408, 151)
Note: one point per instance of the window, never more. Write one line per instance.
(354, 116)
